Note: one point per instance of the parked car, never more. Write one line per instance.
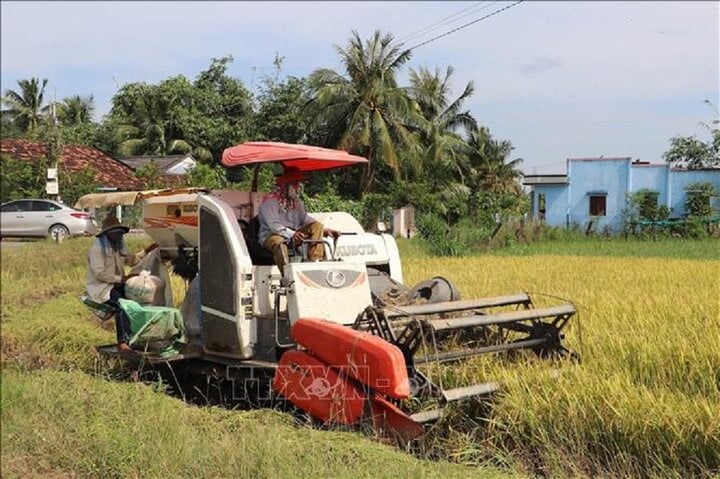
(41, 218)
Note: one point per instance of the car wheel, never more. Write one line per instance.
(59, 233)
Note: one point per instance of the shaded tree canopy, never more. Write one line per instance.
(691, 153)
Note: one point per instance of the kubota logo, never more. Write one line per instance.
(336, 279)
(356, 249)
(320, 387)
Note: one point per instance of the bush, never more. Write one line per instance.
(333, 202)
(698, 198)
(643, 205)
(205, 176)
(77, 184)
(443, 241)
(22, 179)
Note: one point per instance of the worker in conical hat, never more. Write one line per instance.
(106, 276)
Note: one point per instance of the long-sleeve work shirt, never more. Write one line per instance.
(276, 220)
(106, 268)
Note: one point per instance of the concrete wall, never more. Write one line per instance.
(555, 204)
(404, 222)
(679, 179)
(594, 175)
(650, 177)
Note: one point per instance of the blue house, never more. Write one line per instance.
(596, 189)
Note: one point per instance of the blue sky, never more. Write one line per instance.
(558, 79)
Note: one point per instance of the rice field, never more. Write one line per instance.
(644, 400)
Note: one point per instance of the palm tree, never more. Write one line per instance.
(26, 105)
(365, 109)
(488, 167)
(76, 110)
(150, 130)
(443, 147)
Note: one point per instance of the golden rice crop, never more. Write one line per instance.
(645, 398)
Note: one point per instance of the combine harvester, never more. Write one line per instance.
(345, 341)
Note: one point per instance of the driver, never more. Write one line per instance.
(283, 218)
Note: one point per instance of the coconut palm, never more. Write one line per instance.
(26, 105)
(365, 109)
(488, 167)
(443, 146)
(150, 129)
(76, 110)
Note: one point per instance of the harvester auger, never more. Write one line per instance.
(457, 330)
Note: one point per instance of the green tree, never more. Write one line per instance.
(489, 167)
(148, 116)
(76, 110)
(691, 153)
(22, 178)
(151, 176)
(8, 128)
(365, 111)
(221, 113)
(73, 185)
(280, 110)
(492, 178)
(206, 176)
(26, 105)
(442, 145)
(179, 116)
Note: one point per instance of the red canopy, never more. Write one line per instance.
(303, 157)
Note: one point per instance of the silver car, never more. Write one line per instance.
(40, 218)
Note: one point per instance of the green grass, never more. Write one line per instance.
(661, 248)
(72, 423)
(587, 246)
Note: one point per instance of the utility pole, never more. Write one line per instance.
(54, 150)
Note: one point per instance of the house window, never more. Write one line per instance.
(541, 205)
(597, 206)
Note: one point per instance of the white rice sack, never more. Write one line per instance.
(146, 289)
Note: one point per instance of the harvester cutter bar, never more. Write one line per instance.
(468, 353)
(457, 394)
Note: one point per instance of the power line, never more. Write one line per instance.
(466, 25)
(444, 21)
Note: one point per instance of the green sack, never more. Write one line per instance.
(155, 328)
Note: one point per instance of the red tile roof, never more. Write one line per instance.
(109, 172)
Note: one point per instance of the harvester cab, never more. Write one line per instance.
(342, 339)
